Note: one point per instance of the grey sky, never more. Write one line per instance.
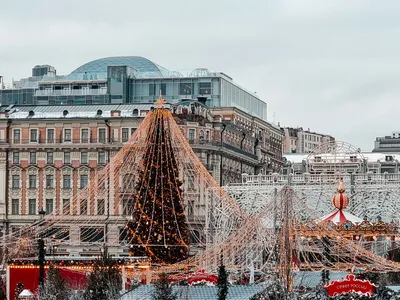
(331, 66)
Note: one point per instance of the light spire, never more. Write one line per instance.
(160, 102)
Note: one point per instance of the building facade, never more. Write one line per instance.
(388, 144)
(49, 153)
(348, 163)
(298, 140)
(129, 79)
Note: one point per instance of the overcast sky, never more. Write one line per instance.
(332, 66)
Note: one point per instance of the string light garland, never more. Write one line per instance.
(159, 227)
(135, 183)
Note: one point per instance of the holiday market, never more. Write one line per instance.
(258, 233)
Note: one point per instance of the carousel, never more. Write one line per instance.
(327, 243)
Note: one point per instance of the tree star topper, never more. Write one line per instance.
(160, 102)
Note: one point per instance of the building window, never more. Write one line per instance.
(84, 181)
(152, 89)
(32, 181)
(191, 134)
(50, 136)
(102, 135)
(125, 134)
(207, 136)
(127, 208)
(32, 158)
(66, 207)
(34, 136)
(67, 135)
(205, 88)
(15, 181)
(32, 206)
(49, 206)
(85, 136)
(133, 131)
(16, 158)
(67, 157)
(102, 158)
(163, 88)
(17, 136)
(100, 206)
(66, 181)
(84, 207)
(15, 207)
(49, 181)
(84, 157)
(50, 158)
(185, 89)
(92, 235)
(201, 136)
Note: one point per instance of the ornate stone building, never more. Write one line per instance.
(48, 154)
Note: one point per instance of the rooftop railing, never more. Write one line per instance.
(71, 92)
(321, 178)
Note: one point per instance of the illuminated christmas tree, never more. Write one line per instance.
(159, 228)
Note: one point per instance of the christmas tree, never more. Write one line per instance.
(55, 287)
(105, 280)
(158, 228)
(163, 289)
(18, 290)
(222, 282)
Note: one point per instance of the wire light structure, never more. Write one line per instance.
(256, 225)
(117, 186)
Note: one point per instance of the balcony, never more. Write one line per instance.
(223, 145)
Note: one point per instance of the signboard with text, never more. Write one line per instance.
(350, 285)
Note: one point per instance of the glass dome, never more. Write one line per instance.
(97, 69)
(201, 72)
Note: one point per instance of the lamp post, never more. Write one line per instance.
(42, 253)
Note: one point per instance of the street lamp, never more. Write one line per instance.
(42, 253)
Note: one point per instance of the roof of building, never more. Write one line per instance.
(297, 158)
(97, 69)
(73, 111)
(236, 292)
(201, 72)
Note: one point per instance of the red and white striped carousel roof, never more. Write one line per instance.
(339, 216)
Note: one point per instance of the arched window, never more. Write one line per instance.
(201, 136)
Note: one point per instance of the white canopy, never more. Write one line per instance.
(26, 293)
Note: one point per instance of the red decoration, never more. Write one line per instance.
(30, 278)
(202, 277)
(350, 285)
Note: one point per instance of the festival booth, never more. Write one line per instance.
(28, 275)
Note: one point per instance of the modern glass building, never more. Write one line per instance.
(129, 79)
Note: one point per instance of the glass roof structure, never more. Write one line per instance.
(201, 72)
(97, 69)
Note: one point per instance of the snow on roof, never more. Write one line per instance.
(74, 111)
(236, 292)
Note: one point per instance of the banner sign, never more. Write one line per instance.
(350, 285)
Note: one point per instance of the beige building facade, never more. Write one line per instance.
(298, 140)
(49, 153)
